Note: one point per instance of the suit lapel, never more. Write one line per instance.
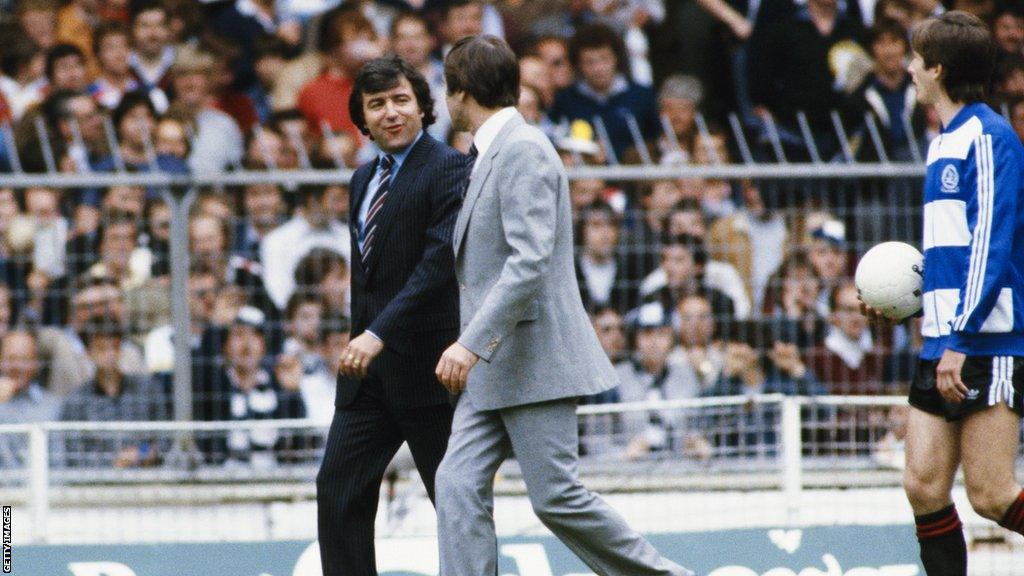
(357, 190)
(478, 179)
(400, 186)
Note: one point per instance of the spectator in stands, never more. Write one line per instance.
(112, 396)
(218, 142)
(717, 195)
(686, 219)
(610, 333)
(1016, 109)
(38, 18)
(555, 52)
(266, 148)
(319, 386)
(850, 361)
(534, 72)
(753, 430)
(699, 350)
(65, 68)
(69, 151)
(284, 248)
(22, 399)
(23, 83)
(889, 94)
(1009, 77)
(1008, 28)
(263, 209)
(412, 41)
(807, 61)
(753, 240)
(679, 101)
(152, 52)
(603, 277)
(349, 41)
(325, 272)
(244, 389)
(112, 46)
(75, 24)
(171, 139)
(460, 18)
(605, 90)
(135, 121)
(650, 375)
(304, 317)
(828, 255)
(791, 301)
(658, 198)
(246, 22)
(94, 298)
(683, 265)
(269, 62)
(118, 238)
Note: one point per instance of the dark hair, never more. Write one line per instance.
(61, 51)
(114, 218)
(485, 68)
(130, 101)
(55, 107)
(596, 208)
(138, 7)
(1008, 65)
(268, 46)
(962, 45)
(692, 243)
(105, 29)
(593, 36)
(381, 74)
(453, 4)
(298, 298)
(313, 267)
(335, 21)
(886, 27)
(19, 50)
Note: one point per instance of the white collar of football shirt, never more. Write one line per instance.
(489, 130)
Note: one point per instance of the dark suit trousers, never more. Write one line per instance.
(364, 437)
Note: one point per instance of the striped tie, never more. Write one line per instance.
(370, 225)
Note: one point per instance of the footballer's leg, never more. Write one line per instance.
(990, 442)
(933, 453)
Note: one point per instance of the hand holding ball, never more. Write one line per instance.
(890, 278)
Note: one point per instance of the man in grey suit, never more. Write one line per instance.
(522, 315)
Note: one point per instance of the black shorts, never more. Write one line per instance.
(990, 380)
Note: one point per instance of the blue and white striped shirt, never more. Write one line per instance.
(974, 238)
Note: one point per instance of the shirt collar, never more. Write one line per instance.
(400, 156)
(489, 130)
(966, 112)
(619, 85)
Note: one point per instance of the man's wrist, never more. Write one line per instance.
(378, 338)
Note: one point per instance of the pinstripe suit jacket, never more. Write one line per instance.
(406, 291)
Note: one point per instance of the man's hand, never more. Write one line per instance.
(289, 372)
(875, 318)
(356, 357)
(453, 369)
(786, 358)
(947, 376)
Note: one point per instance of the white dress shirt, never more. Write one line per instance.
(489, 130)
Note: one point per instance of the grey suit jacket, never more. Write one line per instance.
(520, 304)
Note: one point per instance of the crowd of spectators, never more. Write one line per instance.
(697, 287)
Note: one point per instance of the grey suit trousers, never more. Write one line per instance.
(543, 438)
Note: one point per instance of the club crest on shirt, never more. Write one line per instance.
(950, 179)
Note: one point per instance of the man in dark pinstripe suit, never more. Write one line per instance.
(405, 311)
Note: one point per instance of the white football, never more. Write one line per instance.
(889, 278)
